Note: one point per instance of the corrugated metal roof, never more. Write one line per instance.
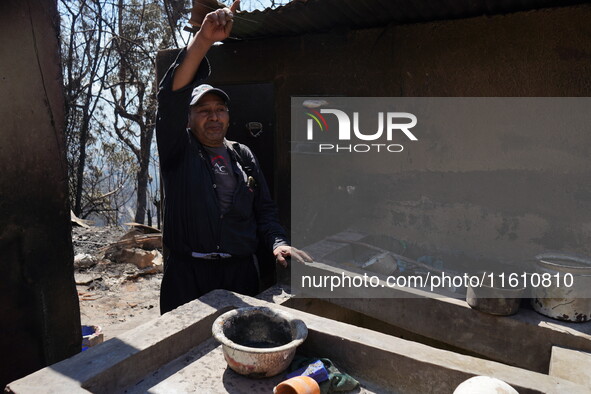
(313, 16)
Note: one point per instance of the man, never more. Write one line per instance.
(217, 203)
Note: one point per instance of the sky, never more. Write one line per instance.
(249, 5)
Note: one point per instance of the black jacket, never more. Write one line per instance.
(192, 218)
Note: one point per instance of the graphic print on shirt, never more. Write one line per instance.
(220, 167)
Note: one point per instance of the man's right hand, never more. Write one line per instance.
(217, 25)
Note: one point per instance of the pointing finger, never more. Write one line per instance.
(234, 6)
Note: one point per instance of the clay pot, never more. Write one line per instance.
(297, 385)
(259, 342)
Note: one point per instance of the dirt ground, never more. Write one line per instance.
(114, 296)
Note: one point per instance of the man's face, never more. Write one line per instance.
(209, 120)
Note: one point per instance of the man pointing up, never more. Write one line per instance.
(217, 204)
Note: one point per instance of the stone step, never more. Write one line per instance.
(573, 365)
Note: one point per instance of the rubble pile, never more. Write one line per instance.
(117, 274)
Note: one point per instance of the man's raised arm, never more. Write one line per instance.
(216, 26)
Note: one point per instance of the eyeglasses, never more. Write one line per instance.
(208, 113)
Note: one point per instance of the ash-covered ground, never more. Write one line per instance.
(113, 295)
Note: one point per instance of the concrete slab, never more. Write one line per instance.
(126, 359)
(174, 352)
(573, 365)
(203, 370)
(524, 340)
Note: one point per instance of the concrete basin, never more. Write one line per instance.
(176, 353)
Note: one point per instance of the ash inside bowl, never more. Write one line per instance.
(258, 331)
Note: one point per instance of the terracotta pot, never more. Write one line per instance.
(259, 342)
(297, 385)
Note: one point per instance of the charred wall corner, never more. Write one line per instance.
(38, 301)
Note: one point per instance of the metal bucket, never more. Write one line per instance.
(568, 297)
(494, 300)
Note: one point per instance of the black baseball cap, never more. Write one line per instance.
(200, 90)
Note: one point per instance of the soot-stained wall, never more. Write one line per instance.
(38, 300)
(439, 201)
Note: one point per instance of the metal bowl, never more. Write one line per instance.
(494, 300)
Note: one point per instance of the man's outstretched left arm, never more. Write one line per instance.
(269, 227)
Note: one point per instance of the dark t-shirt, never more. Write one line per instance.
(225, 180)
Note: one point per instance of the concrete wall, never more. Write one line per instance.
(537, 53)
(38, 300)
